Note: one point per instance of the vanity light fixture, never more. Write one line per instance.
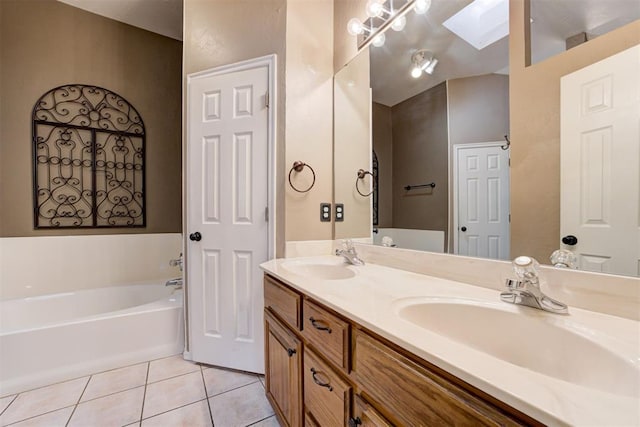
(355, 27)
(423, 61)
(382, 15)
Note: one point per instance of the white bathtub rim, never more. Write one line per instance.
(164, 303)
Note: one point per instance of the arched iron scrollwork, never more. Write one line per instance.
(89, 151)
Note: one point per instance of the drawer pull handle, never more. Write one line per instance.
(355, 422)
(317, 381)
(316, 325)
(291, 352)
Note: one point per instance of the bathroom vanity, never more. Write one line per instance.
(355, 345)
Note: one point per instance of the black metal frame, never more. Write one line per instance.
(374, 170)
(89, 149)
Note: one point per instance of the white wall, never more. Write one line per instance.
(31, 266)
(419, 240)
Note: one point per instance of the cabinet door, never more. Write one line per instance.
(283, 353)
(366, 416)
(411, 395)
(327, 397)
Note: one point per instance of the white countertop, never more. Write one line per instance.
(372, 298)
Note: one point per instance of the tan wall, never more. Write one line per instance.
(381, 127)
(45, 44)
(219, 32)
(535, 130)
(352, 147)
(309, 116)
(478, 109)
(420, 145)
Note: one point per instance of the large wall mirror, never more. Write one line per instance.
(434, 146)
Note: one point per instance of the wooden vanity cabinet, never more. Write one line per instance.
(324, 370)
(327, 397)
(411, 394)
(365, 415)
(283, 358)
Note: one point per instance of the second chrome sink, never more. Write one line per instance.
(334, 269)
(545, 343)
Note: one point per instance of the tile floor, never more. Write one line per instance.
(165, 392)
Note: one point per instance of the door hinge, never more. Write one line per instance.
(266, 214)
(509, 218)
(266, 100)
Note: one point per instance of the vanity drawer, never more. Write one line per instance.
(327, 397)
(282, 301)
(417, 396)
(327, 333)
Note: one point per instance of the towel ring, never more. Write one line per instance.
(360, 175)
(298, 166)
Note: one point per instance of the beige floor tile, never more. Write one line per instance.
(240, 407)
(115, 381)
(262, 380)
(194, 415)
(169, 394)
(218, 380)
(269, 422)
(170, 367)
(43, 400)
(114, 410)
(5, 401)
(57, 418)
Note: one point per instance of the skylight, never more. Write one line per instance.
(481, 23)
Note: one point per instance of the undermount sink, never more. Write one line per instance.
(324, 270)
(549, 344)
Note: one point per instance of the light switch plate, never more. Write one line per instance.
(325, 212)
(339, 212)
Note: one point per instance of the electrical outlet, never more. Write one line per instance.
(339, 212)
(325, 212)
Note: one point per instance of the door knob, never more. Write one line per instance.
(463, 228)
(196, 237)
(570, 240)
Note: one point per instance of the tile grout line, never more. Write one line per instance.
(144, 394)
(175, 376)
(231, 389)
(38, 415)
(12, 400)
(259, 421)
(78, 402)
(206, 395)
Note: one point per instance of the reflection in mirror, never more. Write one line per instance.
(447, 127)
(561, 25)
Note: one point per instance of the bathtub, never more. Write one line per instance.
(52, 338)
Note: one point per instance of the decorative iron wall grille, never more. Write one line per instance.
(88, 159)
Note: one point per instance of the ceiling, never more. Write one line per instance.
(553, 22)
(158, 16)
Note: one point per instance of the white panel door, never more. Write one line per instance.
(227, 202)
(600, 159)
(482, 198)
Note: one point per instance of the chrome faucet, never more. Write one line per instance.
(177, 282)
(526, 290)
(349, 253)
(177, 262)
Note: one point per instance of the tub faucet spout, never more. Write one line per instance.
(174, 282)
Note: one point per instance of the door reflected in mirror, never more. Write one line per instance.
(421, 132)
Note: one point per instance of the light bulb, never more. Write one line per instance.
(422, 6)
(431, 66)
(416, 72)
(378, 40)
(355, 27)
(399, 23)
(374, 8)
